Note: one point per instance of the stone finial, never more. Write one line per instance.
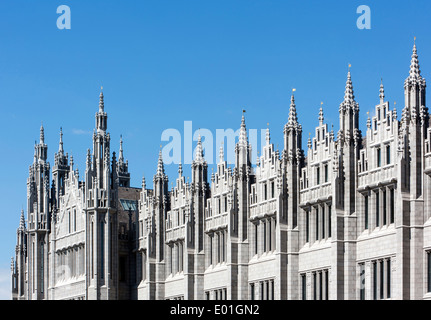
(382, 92)
(42, 134)
(60, 146)
(349, 96)
(221, 153)
(180, 170)
(321, 118)
(160, 166)
(101, 101)
(22, 221)
(144, 184)
(243, 132)
(121, 156)
(414, 73)
(268, 136)
(293, 116)
(199, 151)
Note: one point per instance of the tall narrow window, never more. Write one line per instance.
(362, 282)
(223, 246)
(374, 280)
(320, 286)
(366, 212)
(382, 278)
(269, 235)
(211, 250)
(330, 221)
(317, 223)
(252, 291)
(70, 225)
(326, 173)
(318, 175)
(307, 226)
(261, 290)
(255, 238)
(377, 209)
(323, 222)
(272, 190)
(264, 236)
(388, 278)
(304, 286)
(392, 206)
(379, 157)
(74, 220)
(388, 154)
(218, 248)
(225, 204)
(429, 270)
(102, 250)
(384, 207)
(42, 263)
(315, 286)
(265, 191)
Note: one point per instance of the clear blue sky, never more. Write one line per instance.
(164, 62)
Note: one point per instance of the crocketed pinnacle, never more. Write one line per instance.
(321, 118)
(415, 72)
(268, 137)
(199, 152)
(349, 96)
(243, 133)
(121, 156)
(221, 155)
(160, 166)
(144, 184)
(101, 102)
(293, 116)
(180, 170)
(382, 92)
(22, 221)
(42, 134)
(60, 146)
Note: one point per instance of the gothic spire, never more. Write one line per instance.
(180, 170)
(268, 137)
(415, 73)
(121, 156)
(199, 152)
(382, 92)
(144, 184)
(321, 118)
(101, 101)
(243, 131)
(293, 116)
(349, 96)
(60, 146)
(221, 155)
(160, 166)
(42, 134)
(22, 221)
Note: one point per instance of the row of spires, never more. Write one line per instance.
(349, 100)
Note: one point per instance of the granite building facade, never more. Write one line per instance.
(350, 218)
